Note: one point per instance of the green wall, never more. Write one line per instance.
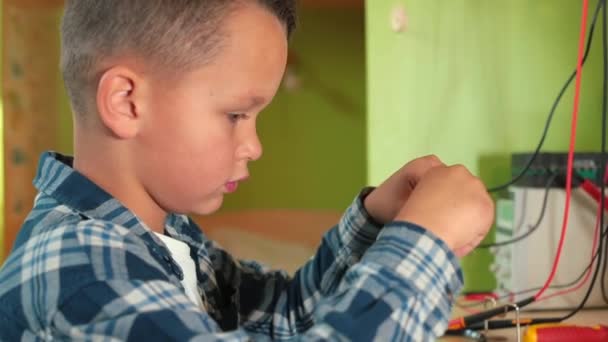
(472, 81)
(314, 137)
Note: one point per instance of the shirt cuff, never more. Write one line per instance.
(420, 256)
(357, 230)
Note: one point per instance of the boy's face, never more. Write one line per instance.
(200, 130)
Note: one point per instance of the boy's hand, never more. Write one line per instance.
(453, 204)
(386, 201)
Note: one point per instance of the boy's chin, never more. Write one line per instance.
(209, 206)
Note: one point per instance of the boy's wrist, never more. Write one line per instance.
(364, 207)
(428, 225)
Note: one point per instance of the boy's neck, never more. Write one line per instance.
(108, 166)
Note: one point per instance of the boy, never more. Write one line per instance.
(165, 97)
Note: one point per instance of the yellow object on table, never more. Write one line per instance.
(565, 333)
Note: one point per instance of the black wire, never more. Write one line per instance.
(532, 228)
(603, 150)
(553, 108)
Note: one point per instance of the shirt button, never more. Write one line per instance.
(178, 273)
(167, 258)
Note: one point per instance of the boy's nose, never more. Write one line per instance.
(254, 148)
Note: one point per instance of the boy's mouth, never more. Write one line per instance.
(232, 186)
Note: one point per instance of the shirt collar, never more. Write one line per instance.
(57, 178)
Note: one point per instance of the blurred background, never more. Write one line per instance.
(370, 85)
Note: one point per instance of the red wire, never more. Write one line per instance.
(577, 92)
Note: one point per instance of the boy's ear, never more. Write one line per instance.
(117, 96)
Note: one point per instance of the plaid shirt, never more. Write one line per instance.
(85, 268)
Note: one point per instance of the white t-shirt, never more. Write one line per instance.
(181, 254)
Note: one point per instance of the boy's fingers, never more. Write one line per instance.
(465, 250)
(425, 164)
(416, 170)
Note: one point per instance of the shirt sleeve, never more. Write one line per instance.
(273, 304)
(364, 283)
(263, 293)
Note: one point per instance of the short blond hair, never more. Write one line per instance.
(175, 35)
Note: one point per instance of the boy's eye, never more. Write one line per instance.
(235, 117)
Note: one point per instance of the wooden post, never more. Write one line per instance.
(31, 100)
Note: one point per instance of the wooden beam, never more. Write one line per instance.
(31, 98)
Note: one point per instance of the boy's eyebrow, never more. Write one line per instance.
(249, 102)
(257, 100)
(254, 101)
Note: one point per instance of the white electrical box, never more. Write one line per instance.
(527, 263)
